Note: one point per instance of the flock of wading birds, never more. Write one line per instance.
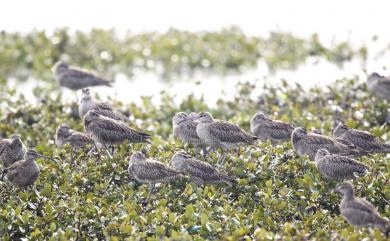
(105, 128)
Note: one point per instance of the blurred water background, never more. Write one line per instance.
(363, 30)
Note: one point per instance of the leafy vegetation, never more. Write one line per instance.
(279, 196)
(24, 55)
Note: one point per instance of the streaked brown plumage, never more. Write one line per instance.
(309, 143)
(221, 134)
(76, 139)
(75, 78)
(268, 129)
(359, 212)
(184, 128)
(362, 139)
(109, 132)
(25, 172)
(11, 150)
(335, 167)
(201, 172)
(104, 109)
(151, 171)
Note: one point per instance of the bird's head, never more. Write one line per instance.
(179, 118)
(60, 67)
(340, 129)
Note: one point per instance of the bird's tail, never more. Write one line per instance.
(384, 226)
(230, 180)
(386, 148)
(145, 138)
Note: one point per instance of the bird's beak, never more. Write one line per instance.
(45, 157)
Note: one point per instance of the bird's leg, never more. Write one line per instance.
(112, 149)
(151, 190)
(205, 152)
(197, 152)
(238, 151)
(222, 158)
(77, 98)
(108, 151)
(92, 149)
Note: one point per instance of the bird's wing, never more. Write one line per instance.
(278, 130)
(103, 106)
(113, 131)
(362, 205)
(227, 132)
(342, 164)
(198, 168)
(152, 170)
(364, 135)
(88, 78)
(80, 139)
(188, 128)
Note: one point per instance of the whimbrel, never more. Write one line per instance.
(11, 150)
(335, 167)
(76, 139)
(379, 85)
(359, 212)
(305, 143)
(362, 139)
(75, 78)
(25, 172)
(104, 109)
(200, 172)
(151, 171)
(109, 132)
(221, 134)
(268, 129)
(184, 128)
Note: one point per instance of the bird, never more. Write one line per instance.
(200, 172)
(362, 139)
(184, 128)
(150, 171)
(379, 85)
(267, 129)
(24, 173)
(76, 139)
(109, 132)
(358, 211)
(339, 168)
(75, 78)
(221, 134)
(104, 109)
(11, 150)
(309, 143)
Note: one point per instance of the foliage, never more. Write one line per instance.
(24, 55)
(279, 196)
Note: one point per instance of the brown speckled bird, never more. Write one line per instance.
(201, 172)
(184, 128)
(11, 150)
(268, 129)
(76, 139)
(362, 139)
(76, 78)
(335, 167)
(221, 134)
(150, 171)
(109, 132)
(25, 172)
(359, 212)
(309, 143)
(104, 109)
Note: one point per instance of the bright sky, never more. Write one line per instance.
(327, 17)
